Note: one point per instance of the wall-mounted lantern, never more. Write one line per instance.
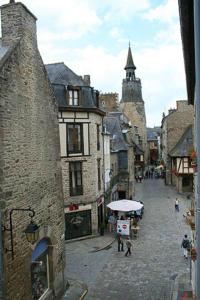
(32, 230)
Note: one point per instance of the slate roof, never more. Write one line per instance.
(185, 144)
(152, 135)
(138, 150)
(6, 51)
(130, 63)
(113, 127)
(59, 73)
(62, 77)
(3, 50)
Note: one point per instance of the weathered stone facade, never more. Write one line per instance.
(29, 154)
(173, 127)
(110, 101)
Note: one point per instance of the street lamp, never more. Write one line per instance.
(31, 232)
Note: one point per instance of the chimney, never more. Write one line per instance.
(17, 22)
(171, 110)
(86, 78)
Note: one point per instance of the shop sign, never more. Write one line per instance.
(77, 220)
(73, 206)
(123, 227)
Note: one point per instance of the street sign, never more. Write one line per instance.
(123, 227)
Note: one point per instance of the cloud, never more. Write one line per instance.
(162, 72)
(164, 13)
(105, 68)
(63, 19)
(158, 57)
(124, 10)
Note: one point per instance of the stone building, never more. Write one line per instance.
(173, 127)
(182, 164)
(153, 142)
(189, 25)
(132, 103)
(121, 156)
(109, 101)
(80, 123)
(30, 171)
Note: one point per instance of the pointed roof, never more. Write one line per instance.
(130, 63)
(185, 144)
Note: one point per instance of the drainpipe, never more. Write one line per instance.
(2, 277)
(197, 101)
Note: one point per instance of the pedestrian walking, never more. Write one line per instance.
(185, 245)
(129, 246)
(177, 205)
(120, 242)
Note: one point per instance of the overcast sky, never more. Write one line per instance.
(92, 36)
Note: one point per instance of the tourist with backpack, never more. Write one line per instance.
(185, 245)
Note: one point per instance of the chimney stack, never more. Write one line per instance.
(86, 78)
(17, 22)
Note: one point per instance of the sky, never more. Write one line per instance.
(92, 37)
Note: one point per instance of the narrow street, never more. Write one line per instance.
(156, 259)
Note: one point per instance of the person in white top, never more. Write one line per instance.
(177, 205)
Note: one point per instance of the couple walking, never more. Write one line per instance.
(121, 244)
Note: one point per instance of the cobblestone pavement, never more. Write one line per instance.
(156, 259)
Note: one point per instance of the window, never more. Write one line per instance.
(98, 137)
(40, 270)
(74, 138)
(73, 97)
(99, 172)
(75, 175)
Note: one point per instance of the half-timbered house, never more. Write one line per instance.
(182, 167)
(80, 124)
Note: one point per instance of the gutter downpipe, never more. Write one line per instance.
(197, 102)
(2, 276)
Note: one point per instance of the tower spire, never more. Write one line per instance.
(129, 62)
(130, 67)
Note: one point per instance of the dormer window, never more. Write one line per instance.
(73, 97)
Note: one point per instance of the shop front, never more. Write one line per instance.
(78, 222)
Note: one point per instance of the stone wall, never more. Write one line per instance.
(30, 173)
(135, 111)
(110, 101)
(174, 125)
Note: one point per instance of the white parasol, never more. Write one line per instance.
(125, 205)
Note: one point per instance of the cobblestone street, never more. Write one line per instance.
(156, 259)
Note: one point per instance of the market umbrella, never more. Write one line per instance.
(125, 205)
(159, 167)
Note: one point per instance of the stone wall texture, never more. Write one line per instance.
(30, 171)
(174, 125)
(135, 111)
(110, 101)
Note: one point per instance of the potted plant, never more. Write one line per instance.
(192, 212)
(193, 254)
(192, 224)
(193, 157)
